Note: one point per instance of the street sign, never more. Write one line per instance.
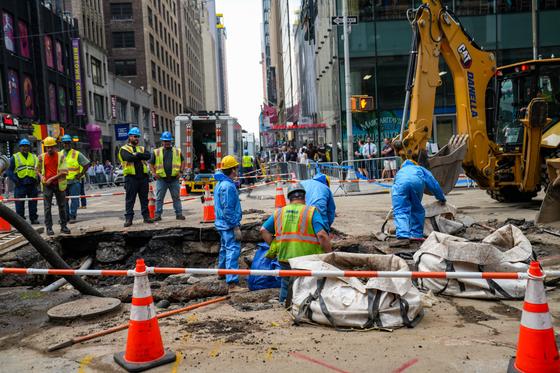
(339, 20)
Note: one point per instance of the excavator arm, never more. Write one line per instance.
(436, 33)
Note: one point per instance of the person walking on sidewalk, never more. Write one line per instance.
(133, 158)
(100, 174)
(77, 165)
(228, 219)
(295, 230)
(22, 173)
(167, 165)
(52, 170)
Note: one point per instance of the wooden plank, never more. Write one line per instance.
(13, 247)
(14, 240)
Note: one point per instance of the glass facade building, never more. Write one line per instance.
(380, 43)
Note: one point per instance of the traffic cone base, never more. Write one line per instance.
(208, 213)
(184, 192)
(279, 200)
(536, 346)
(168, 357)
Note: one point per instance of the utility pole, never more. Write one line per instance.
(534, 28)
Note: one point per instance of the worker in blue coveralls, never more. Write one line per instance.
(408, 190)
(228, 219)
(319, 195)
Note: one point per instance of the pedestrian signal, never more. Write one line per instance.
(362, 103)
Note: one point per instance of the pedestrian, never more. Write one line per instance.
(369, 152)
(390, 165)
(228, 219)
(293, 231)
(167, 165)
(91, 174)
(52, 170)
(83, 201)
(406, 196)
(22, 172)
(248, 168)
(100, 174)
(77, 164)
(359, 156)
(319, 195)
(133, 158)
(108, 171)
(292, 155)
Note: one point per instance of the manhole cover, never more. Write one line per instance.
(86, 307)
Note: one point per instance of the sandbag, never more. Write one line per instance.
(505, 250)
(260, 261)
(352, 302)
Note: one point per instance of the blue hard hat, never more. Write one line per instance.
(24, 142)
(134, 131)
(66, 138)
(166, 136)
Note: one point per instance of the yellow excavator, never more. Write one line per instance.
(508, 130)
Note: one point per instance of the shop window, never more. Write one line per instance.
(8, 31)
(28, 104)
(96, 71)
(62, 105)
(123, 39)
(53, 112)
(59, 63)
(121, 11)
(121, 110)
(98, 107)
(13, 92)
(125, 67)
(49, 53)
(23, 39)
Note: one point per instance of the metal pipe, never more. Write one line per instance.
(61, 281)
(412, 60)
(534, 28)
(347, 83)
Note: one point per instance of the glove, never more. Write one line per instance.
(237, 233)
(442, 203)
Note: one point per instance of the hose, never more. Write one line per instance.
(45, 250)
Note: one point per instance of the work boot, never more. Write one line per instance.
(157, 218)
(72, 221)
(180, 217)
(35, 222)
(50, 232)
(127, 223)
(64, 229)
(400, 242)
(148, 221)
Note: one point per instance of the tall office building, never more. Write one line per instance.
(143, 42)
(221, 56)
(209, 61)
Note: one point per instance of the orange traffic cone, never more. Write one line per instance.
(144, 346)
(184, 191)
(151, 203)
(208, 214)
(536, 347)
(4, 225)
(202, 165)
(280, 200)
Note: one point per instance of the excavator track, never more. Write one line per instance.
(511, 194)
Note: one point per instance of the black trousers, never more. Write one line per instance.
(48, 193)
(136, 186)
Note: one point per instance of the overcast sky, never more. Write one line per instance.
(242, 19)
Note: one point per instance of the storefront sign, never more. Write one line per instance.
(154, 119)
(121, 131)
(113, 107)
(77, 76)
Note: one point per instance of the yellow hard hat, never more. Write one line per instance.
(229, 161)
(49, 141)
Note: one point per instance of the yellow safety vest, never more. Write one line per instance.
(247, 161)
(25, 167)
(61, 166)
(128, 167)
(74, 167)
(175, 164)
(294, 232)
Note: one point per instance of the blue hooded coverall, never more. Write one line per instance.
(228, 216)
(406, 195)
(319, 195)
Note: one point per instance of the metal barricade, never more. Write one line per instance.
(375, 168)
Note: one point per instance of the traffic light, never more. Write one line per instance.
(361, 104)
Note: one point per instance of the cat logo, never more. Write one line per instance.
(466, 59)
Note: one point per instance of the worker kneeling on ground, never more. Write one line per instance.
(406, 196)
(318, 194)
(228, 219)
(167, 165)
(295, 230)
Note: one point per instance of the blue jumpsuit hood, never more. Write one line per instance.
(321, 177)
(319, 195)
(406, 195)
(226, 203)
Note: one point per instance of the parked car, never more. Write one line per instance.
(118, 177)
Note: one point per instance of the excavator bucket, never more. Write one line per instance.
(550, 207)
(446, 165)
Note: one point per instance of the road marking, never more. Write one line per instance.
(318, 362)
(177, 362)
(84, 363)
(405, 366)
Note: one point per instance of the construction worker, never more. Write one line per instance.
(167, 165)
(406, 195)
(248, 167)
(318, 194)
(22, 173)
(52, 170)
(293, 231)
(133, 158)
(77, 164)
(228, 219)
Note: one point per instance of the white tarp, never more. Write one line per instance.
(351, 302)
(505, 250)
